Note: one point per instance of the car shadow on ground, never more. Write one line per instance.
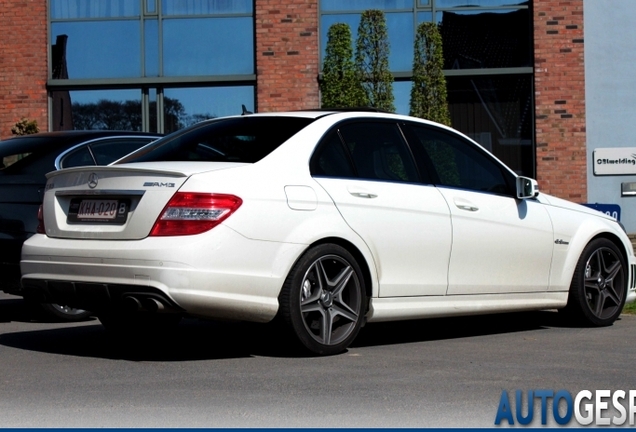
(196, 339)
(13, 308)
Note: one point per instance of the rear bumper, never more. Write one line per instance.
(219, 274)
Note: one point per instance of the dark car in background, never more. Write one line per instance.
(24, 162)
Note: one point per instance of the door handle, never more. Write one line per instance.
(363, 194)
(463, 204)
(467, 207)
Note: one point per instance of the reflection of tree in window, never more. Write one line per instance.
(443, 157)
(126, 115)
(394, 162)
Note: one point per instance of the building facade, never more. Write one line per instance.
(516, 69)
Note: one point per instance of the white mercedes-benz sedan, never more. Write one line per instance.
(325, 219)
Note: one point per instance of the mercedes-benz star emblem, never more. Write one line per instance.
(92, 180)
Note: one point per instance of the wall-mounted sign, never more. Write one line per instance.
(613, 210)
(614, 161)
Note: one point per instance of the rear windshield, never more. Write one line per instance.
(243, 139)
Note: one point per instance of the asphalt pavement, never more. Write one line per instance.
(425, 373)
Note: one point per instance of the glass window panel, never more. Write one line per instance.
(428, 17)
(151, 48)
(402, 95)
(208, 46)
(78, 157)
(459, 163)
(151, 6)
(101, 49)
(352, 20)
(206, 7)
(400, 28)
(401, 33)
(339, 5)
(497, 112)
(379, 152)
(486, 39)
(186, 106)
(106, 109)
(69, 9)
(152, 110)
(107, 151)
(484, 3)
(331, 160)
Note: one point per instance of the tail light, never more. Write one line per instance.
(193, 213)
(40, 229)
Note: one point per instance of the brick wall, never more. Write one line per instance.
(287, 58)
(23, 64)
(560, 98)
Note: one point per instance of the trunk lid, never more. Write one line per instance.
(119, 202)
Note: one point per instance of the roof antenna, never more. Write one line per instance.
(245, 111)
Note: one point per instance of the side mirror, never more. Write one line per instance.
(527, 188)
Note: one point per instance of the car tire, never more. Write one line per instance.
(598, 289)
(323, 299)
(64, 313)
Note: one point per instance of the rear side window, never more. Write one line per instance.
(331, 159)
(78, 157)
(370, 150)
(108, 151)
(244, 139)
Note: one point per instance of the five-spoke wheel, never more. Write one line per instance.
(598, 290)
(323, 299)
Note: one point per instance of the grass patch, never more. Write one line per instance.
(630, 308)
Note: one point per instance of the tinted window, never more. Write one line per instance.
(331, 159)
(28, 155)
(109, 151)
(244, 139)
(378, 151)
(78, 157)
(456, 162)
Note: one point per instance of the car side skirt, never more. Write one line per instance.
(405, 308)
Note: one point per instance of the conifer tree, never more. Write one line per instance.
(372, 60)
(340, 86)
(428, 94)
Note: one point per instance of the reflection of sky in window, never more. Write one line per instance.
(208, 46)
(151, 41)
(402, 95)
(93, 96)
(339, 5)
(215, 101)
(483, 3)
(93, 8)
(199, 7)
(428, 17)
(101, 49)
(400, 28)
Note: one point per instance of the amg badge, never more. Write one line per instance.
(158, 184)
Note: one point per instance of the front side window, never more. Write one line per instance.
(455, 162)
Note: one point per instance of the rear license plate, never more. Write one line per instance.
(110, 211)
